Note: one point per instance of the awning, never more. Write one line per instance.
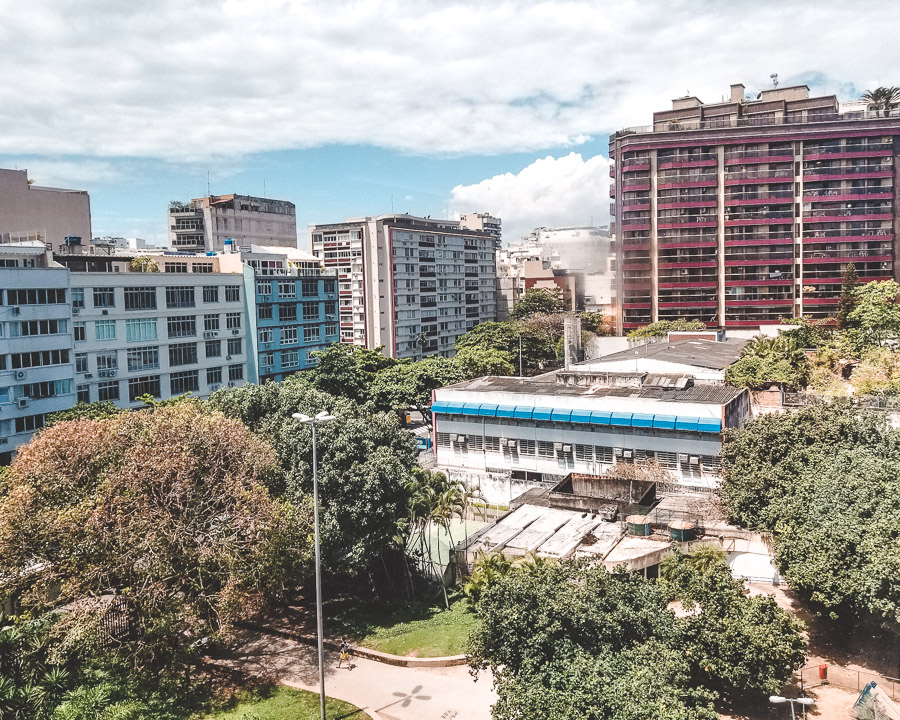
(641, 420)
(471, 408)
(523, 412)
(581, 416)
(561, 415)
(506, 411)
(542, 413)
(686, 423)
(448, 408)
(621, 419)
(438, 406)
(488, 410)
(600, 417)
(713, 425)
(664, 422)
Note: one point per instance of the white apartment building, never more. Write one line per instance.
(211, 223)
(36, 370)
(180, 329)
(412, 285)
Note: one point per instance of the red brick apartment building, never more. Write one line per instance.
(742, 212)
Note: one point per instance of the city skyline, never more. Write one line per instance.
(358, 108)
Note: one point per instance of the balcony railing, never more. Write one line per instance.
(753, 154)
(846, 169)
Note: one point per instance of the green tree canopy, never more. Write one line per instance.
(662, 328)
(767, 360)
(882, 98)
(848, 297)
(876, 312)
(505, 337)
(410, 384)
(84, 411)
(346, 370)
(474, 362)
(538, 300)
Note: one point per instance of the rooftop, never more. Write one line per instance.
(547, 386)
(698, 353)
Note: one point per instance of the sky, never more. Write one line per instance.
(350, 108)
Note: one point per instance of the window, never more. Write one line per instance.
(145, 385)
(584, 453)
(264, 288)
(176, 267)
(19, 361)
(310, 311)
(544, 449)
(491, 443)
(140, 330)
(476, 442)
(289, 336)
(104, 297)
(214, 376)
(213, 348)
(443, 439)
(311, 333)
(184, 381)
(287, 289)
(182, 326)
(30, 328)
(84, 393)
(77, 298)
(210, 293)
(81, 364)
(668, 460)
(267, 361)
(287, 313)
(30, 423)
(331, 308)
(234, 346)
(46, 389)
(233, 321)
(232, 293)
(265, 311)
(108, 390)
(266, 335)
(202, 267)
(143, 358)
(211, 323)
(38, 296)
(711, 464)
(310, 288)
(183, 354)
(290, 359)
(80, 335)
(235, 372)
(603, 454)
(140, 298)
(108, 361)
(179, 297)
(105, 329)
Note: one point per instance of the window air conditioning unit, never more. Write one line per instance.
(504, 442)
(695, 460)
(88, 375)
(567, 448)
(236, 331)
(682, 457)
(628, 453)
(105, 312)
(22, 402)
(75, 311)
(231, 384)
(228, 357)
(111, 373)
(209, 334)
(20, 374)
(513, 443)
(617, 452)
(460, 438)
(3, 440)
(215, 386)
(557, 446)
(102, 373)
(16, 310)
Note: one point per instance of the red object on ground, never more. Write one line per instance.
(823, 672)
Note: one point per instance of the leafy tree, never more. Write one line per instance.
(84, 411)
(538, 300)
(365, 460)
(144, 263)
(807, 333)
(848, 297)
(878, 373)
(347, 370)
(164, 508)
(662, 328)
(598, 323)
(410, 384)
(876, 311)
(767, 360)
(882, 98)
(474, 362)
(505, 337)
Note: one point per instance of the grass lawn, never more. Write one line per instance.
(282, 703)
(428, 630)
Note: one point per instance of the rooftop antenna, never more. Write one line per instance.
(207, 183)
(774, 77)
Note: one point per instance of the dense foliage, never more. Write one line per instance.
(538, 300)
(767, 360)
(509, 338)
(824, 481)
(662, 328)
(570, 639)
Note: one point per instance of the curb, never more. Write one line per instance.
(363, 652)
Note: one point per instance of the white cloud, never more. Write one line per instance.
(78, 174)
(550, 192)
(185, 80)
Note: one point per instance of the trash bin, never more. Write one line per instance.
(823, 672)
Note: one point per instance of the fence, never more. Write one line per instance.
(875, 402)
(850, 679)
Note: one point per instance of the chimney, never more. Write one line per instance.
(737, 92)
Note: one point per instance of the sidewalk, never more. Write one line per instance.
(385, 692)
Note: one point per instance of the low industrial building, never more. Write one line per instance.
(505, 435)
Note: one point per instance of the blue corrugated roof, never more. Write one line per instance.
(438, 406)
(506, 411)
(581, 416)
(471, 408)
(622, 419)
(488, 410)
(542, 413)
(641, 420)
(686, 423)
(561, 415)
(709, 425)
(664, 422)
(453, 408)
(523, 412)
(600, 417)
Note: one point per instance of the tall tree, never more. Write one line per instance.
(848, 296)
(882, 98)
(538, 300)
(410, 384)
(347, 370)
(876, 311)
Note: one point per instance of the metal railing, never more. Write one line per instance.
(850, 679)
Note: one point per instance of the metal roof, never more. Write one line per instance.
(697, 352)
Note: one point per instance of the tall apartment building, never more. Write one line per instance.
(296, 309)
(182, 328)
(37, 376)
(742, 212)
(206, 223)
(410, 284)
(45, 214)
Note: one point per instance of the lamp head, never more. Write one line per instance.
(805, 701)
(777, 699)
(301, 417)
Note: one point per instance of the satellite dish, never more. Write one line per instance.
(758, 95)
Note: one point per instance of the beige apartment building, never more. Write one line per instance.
(212, 223)
(35, 213)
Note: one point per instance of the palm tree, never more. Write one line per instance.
(882, 98)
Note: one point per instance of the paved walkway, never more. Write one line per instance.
(385, 692)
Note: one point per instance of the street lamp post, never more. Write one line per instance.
(804, 702)
(322, 417)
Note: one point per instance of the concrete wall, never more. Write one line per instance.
(29, 208)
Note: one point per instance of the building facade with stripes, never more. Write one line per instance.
(746, 211)
(505, 435)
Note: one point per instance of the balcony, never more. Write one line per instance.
(687, 181)
(777, 154)
(846, 172)
(740, 177)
